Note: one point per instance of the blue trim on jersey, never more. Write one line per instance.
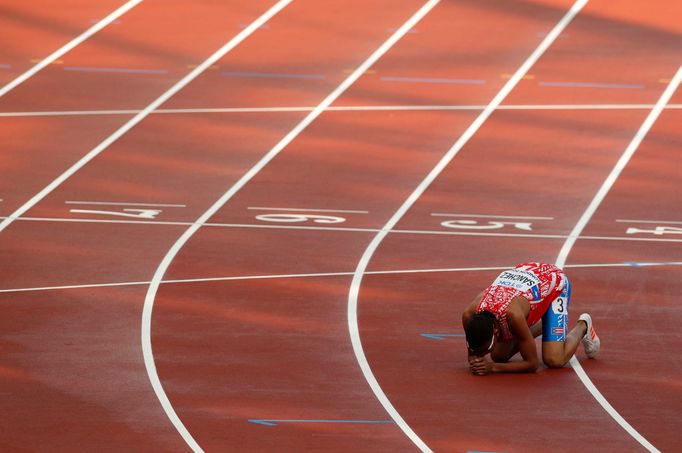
(536, 292)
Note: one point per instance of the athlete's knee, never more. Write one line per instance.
(553, 361)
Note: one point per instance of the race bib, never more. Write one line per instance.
(520, 280)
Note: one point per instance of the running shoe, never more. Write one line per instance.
(591, 340)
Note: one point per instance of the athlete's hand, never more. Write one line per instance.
(480, 366)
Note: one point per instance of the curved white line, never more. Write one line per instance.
(146, 336)
(69, 46)
(173, 251)
(580, 226)
(414, 196)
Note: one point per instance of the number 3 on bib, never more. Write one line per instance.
(559, 306)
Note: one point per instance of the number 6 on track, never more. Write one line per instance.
(290, 218)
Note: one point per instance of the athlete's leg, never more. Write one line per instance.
(556, 354)
(536, 329)
(557, 346)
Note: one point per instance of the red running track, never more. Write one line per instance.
(251, 324)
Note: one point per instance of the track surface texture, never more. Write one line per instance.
(253, 226)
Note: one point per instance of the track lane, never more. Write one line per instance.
(459, 190)
(385, 317)
(130, 64)
(57, 408)
(294, 75)
(72, 377)
(36, 31)
(118, 183)
(216, 296)
(452, 59)
(130, 41)
(612, 55)
(190, 255)
(626, 297)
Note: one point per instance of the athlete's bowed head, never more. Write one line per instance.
(480, 333)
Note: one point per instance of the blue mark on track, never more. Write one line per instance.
(273, 75)
(638, 264)
(432, 80)
(268, 422)
(441, 336)
(593, 85)
(115, 70)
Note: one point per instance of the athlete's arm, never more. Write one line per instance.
(524, 341)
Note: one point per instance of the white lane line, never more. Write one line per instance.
(488, 216)
(325, 274)
(583, 221)
(69, 46)
(140, 116)
(308, 210)
(353, 327)
(345, 229)
(117, 203)
(358, 108)
(656, 222)
(145, 330)
(69, 113)
(173, 251)
(585, 107)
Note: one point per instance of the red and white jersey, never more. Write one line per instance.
(539, 283)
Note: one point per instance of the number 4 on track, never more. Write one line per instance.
(133, 213)
(659, 230)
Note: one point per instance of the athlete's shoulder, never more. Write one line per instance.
(538, 267)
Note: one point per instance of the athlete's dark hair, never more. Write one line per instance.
(479, 330)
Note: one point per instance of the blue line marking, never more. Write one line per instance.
(593, 85)
(115, 70)
(274, 75)
(638, 264)
(432, 80)
(441, 336)
(268, 422)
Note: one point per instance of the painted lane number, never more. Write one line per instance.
(131, 213)
(294, 218)
(659, 230)
(474, 225)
